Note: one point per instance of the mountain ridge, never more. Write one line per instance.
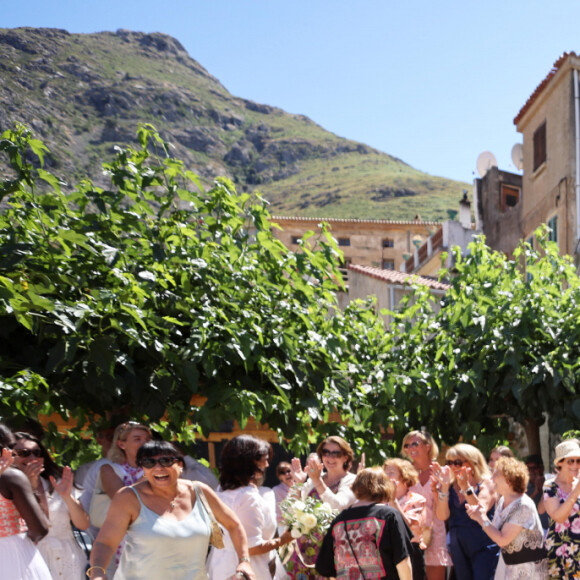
(83, 94)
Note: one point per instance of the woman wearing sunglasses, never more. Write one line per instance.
(327, 477)
(420, 448)
(167, 529)
(22, 522)
(284, 475)
(465, 480)
(562, 504)
(59, 499)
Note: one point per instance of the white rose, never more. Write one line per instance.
(295, 533)
(299, 506)
(308, 521)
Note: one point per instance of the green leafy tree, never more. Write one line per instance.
(504, 343)
(175, 304)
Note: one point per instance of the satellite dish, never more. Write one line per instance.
(518, 156)
(485, 162)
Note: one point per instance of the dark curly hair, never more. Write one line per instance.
(238, 460)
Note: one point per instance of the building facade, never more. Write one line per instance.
(382, 244)
(548, 191)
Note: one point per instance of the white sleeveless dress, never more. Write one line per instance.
(157, 547)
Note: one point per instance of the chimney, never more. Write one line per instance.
(465, 211)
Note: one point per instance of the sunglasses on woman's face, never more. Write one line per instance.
(27, 452)
(329, 453)
(286, 472)
(455, 462)
(414, 445)
(573, 460)
(165, 461)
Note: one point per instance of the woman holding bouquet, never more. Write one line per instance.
(243, 464)
(326, 477)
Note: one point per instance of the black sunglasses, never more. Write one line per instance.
(27, 452)
(329, 453)
(414, 444)
(456, 462)
(286, 472)
(165, 461)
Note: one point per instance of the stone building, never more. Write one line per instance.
(510, 206)
(383, 244)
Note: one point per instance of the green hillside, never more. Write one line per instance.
(85, 93)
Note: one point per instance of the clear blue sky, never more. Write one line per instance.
(433, 83)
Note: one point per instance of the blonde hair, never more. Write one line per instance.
(515, 473)
(473, 456)
(427, 440)
(409, 475)
(116, 454)
(372, 484)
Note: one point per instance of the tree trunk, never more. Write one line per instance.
(532, 429)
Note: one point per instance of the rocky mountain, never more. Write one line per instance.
(82, 94)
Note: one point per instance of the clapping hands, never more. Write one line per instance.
(6, 459)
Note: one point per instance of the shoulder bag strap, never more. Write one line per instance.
(199, 493)
(352, 550)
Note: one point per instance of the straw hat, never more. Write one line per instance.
(568, 448)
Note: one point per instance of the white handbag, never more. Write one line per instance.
(100, 501)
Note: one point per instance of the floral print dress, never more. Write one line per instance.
(300, 566)
(563, 539)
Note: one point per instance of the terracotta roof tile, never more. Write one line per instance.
(555, 68)
(354, 220)
(395, 277)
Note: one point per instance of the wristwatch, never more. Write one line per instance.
(469, 491)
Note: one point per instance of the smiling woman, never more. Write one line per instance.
(167, 529)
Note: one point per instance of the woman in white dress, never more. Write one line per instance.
(58, 497)
(22, 522)
(244, 460)
(516, 526)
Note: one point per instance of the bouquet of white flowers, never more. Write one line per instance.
(305, 516)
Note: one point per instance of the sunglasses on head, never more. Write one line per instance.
(27, 452)
(329, 453)
(414, 445)
(572, 460)
(455, 462)
(165, 461)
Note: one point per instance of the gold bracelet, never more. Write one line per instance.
(88, 572)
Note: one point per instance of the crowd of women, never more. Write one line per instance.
(412, 518)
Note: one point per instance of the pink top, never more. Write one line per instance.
(11, 523)
(436, 553)
(414, 506)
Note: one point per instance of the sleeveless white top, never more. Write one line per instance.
(157, 547)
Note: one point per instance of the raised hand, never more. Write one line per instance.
(6, 459)
(476, 512)
(65, 485)
(442, 476)
(314, 467)
(362, 463)
(298, 475)
(33, 470)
